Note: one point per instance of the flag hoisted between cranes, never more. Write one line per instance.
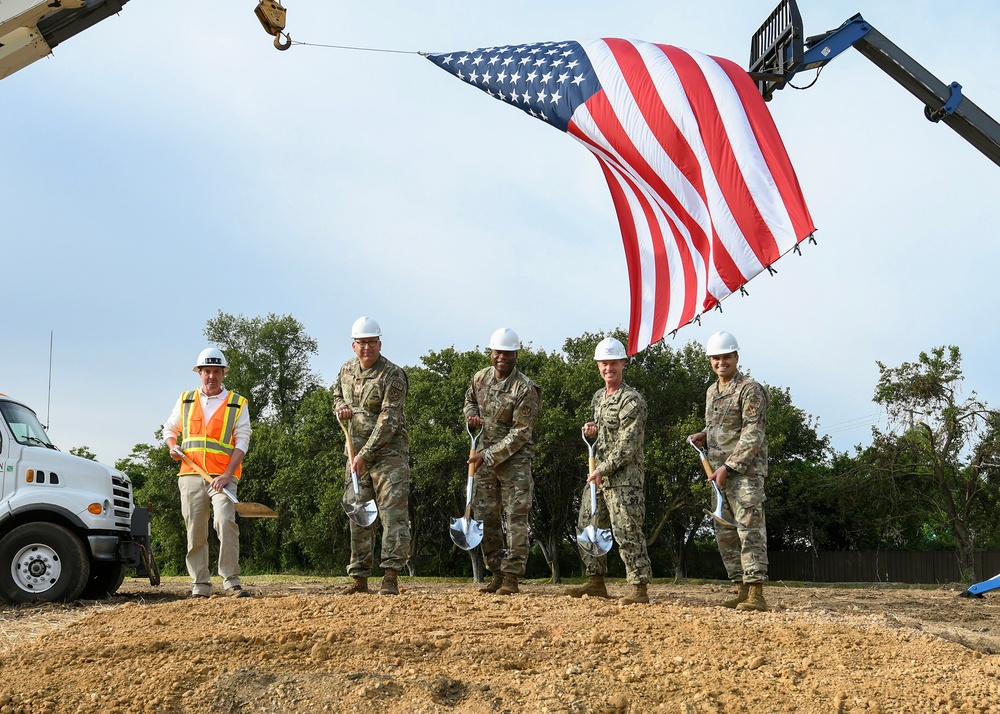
(705, 194)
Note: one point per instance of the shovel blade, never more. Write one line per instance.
(248, 509)
(595, 541)
(466, 533)
(716, 513)
(364, 514)
(717, 517)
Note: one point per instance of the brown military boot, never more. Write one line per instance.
(358, 587)
(509, 585)
(390, 582)
(638, 595)
(755, 600)
(741, 596)
(594, 587)
(495, 583)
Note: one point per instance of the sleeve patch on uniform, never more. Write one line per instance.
(526, 409)
(395, 391)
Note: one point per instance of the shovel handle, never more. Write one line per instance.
(202, 472)
(350, 456)
(470, 483)
(708, 468)
(475, 440)
(591, 459)
(704, 459)
(350, 441)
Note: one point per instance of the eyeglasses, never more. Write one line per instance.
(366, 343)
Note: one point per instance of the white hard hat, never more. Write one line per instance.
(721, 343)
(608, 349)
(505, 340)
(211, 357)
(365, 326)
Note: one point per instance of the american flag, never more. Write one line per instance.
(705, 194)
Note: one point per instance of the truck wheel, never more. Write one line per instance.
(104, 581)
(42, 562)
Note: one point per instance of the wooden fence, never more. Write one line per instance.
(878, 566)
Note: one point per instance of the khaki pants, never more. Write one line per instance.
(197, 497)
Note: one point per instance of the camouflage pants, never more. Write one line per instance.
(503, 493)
(623, 508)
(744, 547)
(388, 482)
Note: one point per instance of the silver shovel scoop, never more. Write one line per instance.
(466, 532)
(593, 540)
(716, 512)
(362, 513)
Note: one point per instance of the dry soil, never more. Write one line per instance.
(299, 646)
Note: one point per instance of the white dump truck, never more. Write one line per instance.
(68, 525)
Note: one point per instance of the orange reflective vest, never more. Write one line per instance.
(209, 445)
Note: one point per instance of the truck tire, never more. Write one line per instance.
(104, 580)
(42, 562)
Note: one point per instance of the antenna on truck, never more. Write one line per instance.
(48, 400)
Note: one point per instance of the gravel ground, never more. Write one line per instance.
(299, 646)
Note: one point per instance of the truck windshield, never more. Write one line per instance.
(25, 425)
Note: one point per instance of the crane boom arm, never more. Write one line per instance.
(29, 29)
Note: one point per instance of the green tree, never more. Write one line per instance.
(269, 362)
(798, 463)
(559, 468)
(83, 452)
(940, 449)
(439, 450)
(307, 487)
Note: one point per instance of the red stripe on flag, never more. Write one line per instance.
(676, 148)
(606, 118)
(632, 260)
(734, 187)
(662, 290)
(772, 147)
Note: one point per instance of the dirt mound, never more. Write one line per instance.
(299, 647)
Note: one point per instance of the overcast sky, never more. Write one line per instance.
(169, 163)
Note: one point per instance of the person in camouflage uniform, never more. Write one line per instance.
(505, 403)
(370, 391)
(619, 423)
(736, 438)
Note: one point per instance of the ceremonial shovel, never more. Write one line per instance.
(594, 541)
(717, 512)
(467, 532)
(246, 509)
(363, 514)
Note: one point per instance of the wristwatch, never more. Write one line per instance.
(729, 470)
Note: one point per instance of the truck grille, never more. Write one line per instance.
(121, 489)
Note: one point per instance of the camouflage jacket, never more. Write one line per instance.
(508, 408)
(621, 424)
(376, 397)
(736, 426)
